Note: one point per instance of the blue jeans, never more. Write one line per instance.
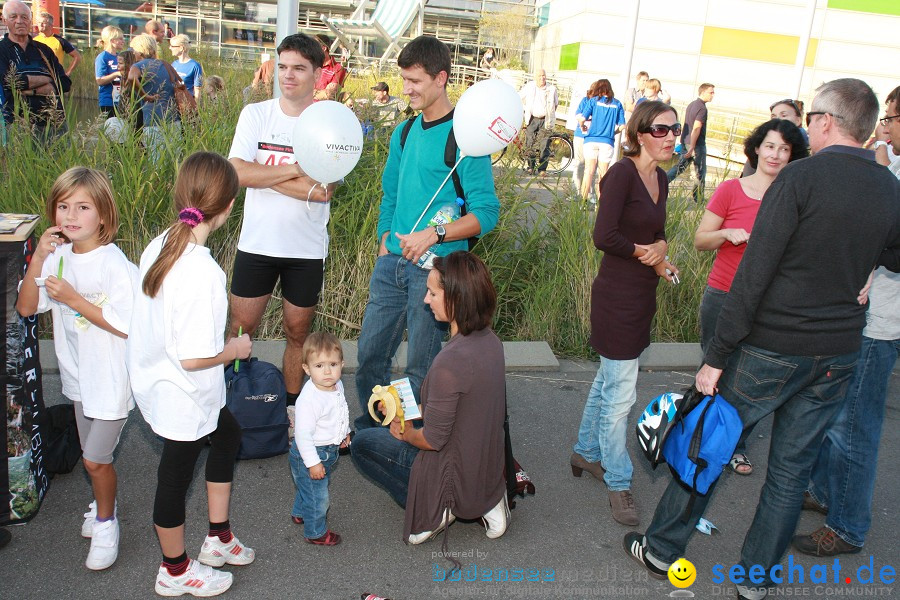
(699, 161)
(804, 392)
(385, 460)
(604, 423)
(710, 307)
(396, 303)
(311, 500)
(843, 478)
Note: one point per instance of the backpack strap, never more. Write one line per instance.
(694, 457)
(450, 149)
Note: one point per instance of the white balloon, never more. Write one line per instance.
(488, 116)
(327, 141)
(116, 129)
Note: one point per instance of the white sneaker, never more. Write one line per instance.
(421, 538)
(198, 580)
(216, 553)
(104, 545)
(496, 520)
(89, 517)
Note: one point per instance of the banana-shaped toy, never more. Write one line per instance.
(391, 404)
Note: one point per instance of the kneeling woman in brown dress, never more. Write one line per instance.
(630, 230)
(453, 465)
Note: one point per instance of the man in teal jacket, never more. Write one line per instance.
(414, 171)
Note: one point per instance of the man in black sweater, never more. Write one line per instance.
(789, 333)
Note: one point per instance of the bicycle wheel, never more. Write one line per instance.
(561, 153)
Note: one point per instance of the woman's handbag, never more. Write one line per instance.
(184, 98)
(518, 483)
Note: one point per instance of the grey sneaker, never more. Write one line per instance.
(623, 509)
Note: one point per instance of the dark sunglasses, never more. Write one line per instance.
(661, 131)
(811, 114)
(887, 120)
(790, 103)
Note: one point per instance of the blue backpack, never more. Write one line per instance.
(700, 443)
(257, 398)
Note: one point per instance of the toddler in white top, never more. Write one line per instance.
(322, 426)
(88, 285)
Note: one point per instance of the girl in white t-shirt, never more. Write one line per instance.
(88, 285)
(175, 355)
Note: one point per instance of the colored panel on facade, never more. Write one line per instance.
(754, 45)
(879, 7)
(568, 56)
(543, 15)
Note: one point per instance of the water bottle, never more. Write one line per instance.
(446, 214)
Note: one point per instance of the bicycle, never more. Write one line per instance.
(559, 146)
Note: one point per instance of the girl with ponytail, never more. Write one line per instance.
(175, 355)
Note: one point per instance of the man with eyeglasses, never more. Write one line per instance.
(788, 337)
(693, 140)
(843, 478)
(884, 151)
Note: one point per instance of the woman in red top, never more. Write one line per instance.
(728, 221)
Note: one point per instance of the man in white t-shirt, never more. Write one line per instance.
(284, 232)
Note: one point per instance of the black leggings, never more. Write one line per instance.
(176, 468)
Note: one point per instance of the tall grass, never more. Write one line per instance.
(541, 254)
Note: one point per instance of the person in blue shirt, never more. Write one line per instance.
(106, 70)
(190, 70)
(607, 117)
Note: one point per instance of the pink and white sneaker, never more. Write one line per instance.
(199, 580)
(216, 553)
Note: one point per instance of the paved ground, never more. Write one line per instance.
(565, 531)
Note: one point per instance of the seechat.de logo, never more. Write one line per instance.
(794, 573)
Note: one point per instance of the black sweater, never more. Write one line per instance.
(824, 224)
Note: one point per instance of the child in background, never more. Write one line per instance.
(175, 355)
(89, 286)
(322, 426)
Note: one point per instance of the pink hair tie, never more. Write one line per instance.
(191, 216)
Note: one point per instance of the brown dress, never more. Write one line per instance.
(463, 405)
(623, 296)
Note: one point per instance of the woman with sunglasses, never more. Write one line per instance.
(630, 230)
(728, 221)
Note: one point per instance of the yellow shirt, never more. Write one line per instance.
(53, 43)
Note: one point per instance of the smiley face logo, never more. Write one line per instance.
(682, 573)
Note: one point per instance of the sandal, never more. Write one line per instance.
(297, 520)
(740, 464)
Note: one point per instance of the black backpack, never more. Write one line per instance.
(257, 398)
(63, 448)
(450, 160)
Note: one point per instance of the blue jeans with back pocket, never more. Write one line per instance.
(804, 392)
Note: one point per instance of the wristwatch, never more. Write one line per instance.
(441, 232)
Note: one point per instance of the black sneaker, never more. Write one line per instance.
(635, 547)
